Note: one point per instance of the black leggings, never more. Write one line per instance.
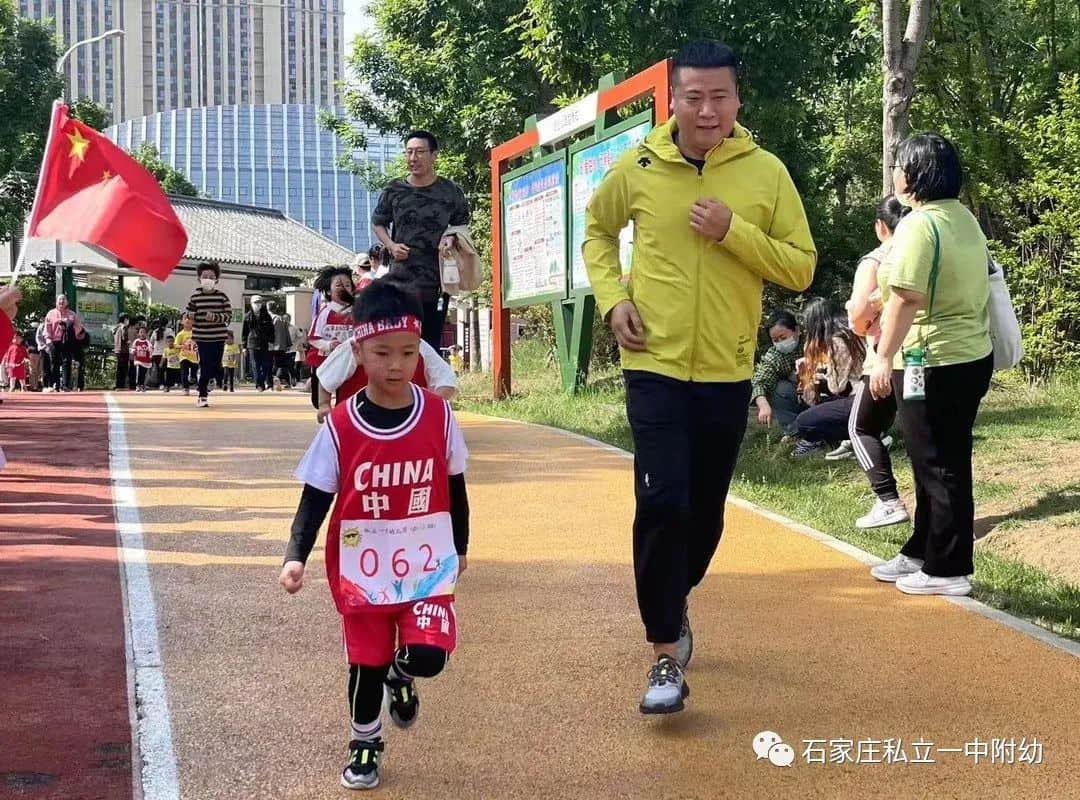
(869, 420)
(366, 683)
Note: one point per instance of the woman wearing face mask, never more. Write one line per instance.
(773, 385)
(334, 324)
(211, 311)
(872, 417)
(258, 335)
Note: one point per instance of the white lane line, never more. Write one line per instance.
(153, 757)
(997, 615)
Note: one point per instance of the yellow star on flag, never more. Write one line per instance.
(79, 144)
(105, 176)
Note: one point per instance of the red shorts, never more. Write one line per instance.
(372, 637)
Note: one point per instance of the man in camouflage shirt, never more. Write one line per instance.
(412, 214)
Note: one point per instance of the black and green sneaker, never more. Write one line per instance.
(402, 701)
(362, 771)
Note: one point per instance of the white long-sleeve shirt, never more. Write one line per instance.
(340, 365)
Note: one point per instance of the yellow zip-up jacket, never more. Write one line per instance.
(699, 299)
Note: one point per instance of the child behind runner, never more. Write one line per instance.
(170, 364)
(395, 547)
(16, 360)
(333, 324)
(142, 358)
(189, 353)
(230, 359)
(871, 417)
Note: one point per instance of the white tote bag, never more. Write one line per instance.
(1004, 327)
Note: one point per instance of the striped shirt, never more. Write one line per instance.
(212, 314)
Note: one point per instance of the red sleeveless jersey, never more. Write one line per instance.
(391, 538)
(359, 380)
(329, 324)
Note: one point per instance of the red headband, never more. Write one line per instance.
(404, 324)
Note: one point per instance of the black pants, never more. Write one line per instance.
(825, 422)
(172, 376)
(61, 367)
(870, 418)
(283, 366)
(79, 365)
(157, 372)
(686, 441)
(140, 375)
(261, 361)
(314, 387)
(229, 382)
(210, 353)
(435, 321)
(188, 374)
(121, 371)
(938, 437)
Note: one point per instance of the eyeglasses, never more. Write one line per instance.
(896, 166)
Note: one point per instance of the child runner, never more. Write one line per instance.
(395, 457)
(142, 358)
(15, 361)
(170, 364)
(343, 375)
(230, 359)
(334, 324)
(189, 353)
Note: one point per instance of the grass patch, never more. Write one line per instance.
(1018, 423)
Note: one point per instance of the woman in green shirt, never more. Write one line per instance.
(942, 311)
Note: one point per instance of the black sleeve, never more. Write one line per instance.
(313, 508)
(384, 210)
(459, 513)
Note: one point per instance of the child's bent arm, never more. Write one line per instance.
(459, 513)
(861, 311)
(313, 508)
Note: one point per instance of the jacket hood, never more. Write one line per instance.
(661, 143)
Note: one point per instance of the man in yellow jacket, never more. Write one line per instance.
(715, 216)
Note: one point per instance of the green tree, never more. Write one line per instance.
(28, 85)
(172, 180)
(90, 113)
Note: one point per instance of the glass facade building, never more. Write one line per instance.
(272, 156)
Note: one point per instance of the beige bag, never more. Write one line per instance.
(460, 271)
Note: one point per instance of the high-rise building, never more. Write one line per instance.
(192, 53)
(272, 156)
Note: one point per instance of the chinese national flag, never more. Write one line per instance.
(91, 191)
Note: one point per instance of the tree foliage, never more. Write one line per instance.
(28, 85)
(172, 180)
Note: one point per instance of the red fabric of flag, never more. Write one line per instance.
(91, 191)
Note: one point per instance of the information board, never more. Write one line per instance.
(587, 169)
(99, 310)
(534, 225)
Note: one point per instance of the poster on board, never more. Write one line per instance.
(535, 229)
(99, 310)
(587, 169)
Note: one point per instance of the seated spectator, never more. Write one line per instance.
(773, 389)
(831, 365)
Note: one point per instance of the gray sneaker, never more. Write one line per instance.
(684, 648)
(667, 688)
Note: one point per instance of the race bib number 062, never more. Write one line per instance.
(397, 561)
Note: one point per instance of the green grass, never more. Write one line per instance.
(1018, 437)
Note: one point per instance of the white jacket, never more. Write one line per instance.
(340, 366)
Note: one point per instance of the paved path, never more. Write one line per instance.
(541, 699)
